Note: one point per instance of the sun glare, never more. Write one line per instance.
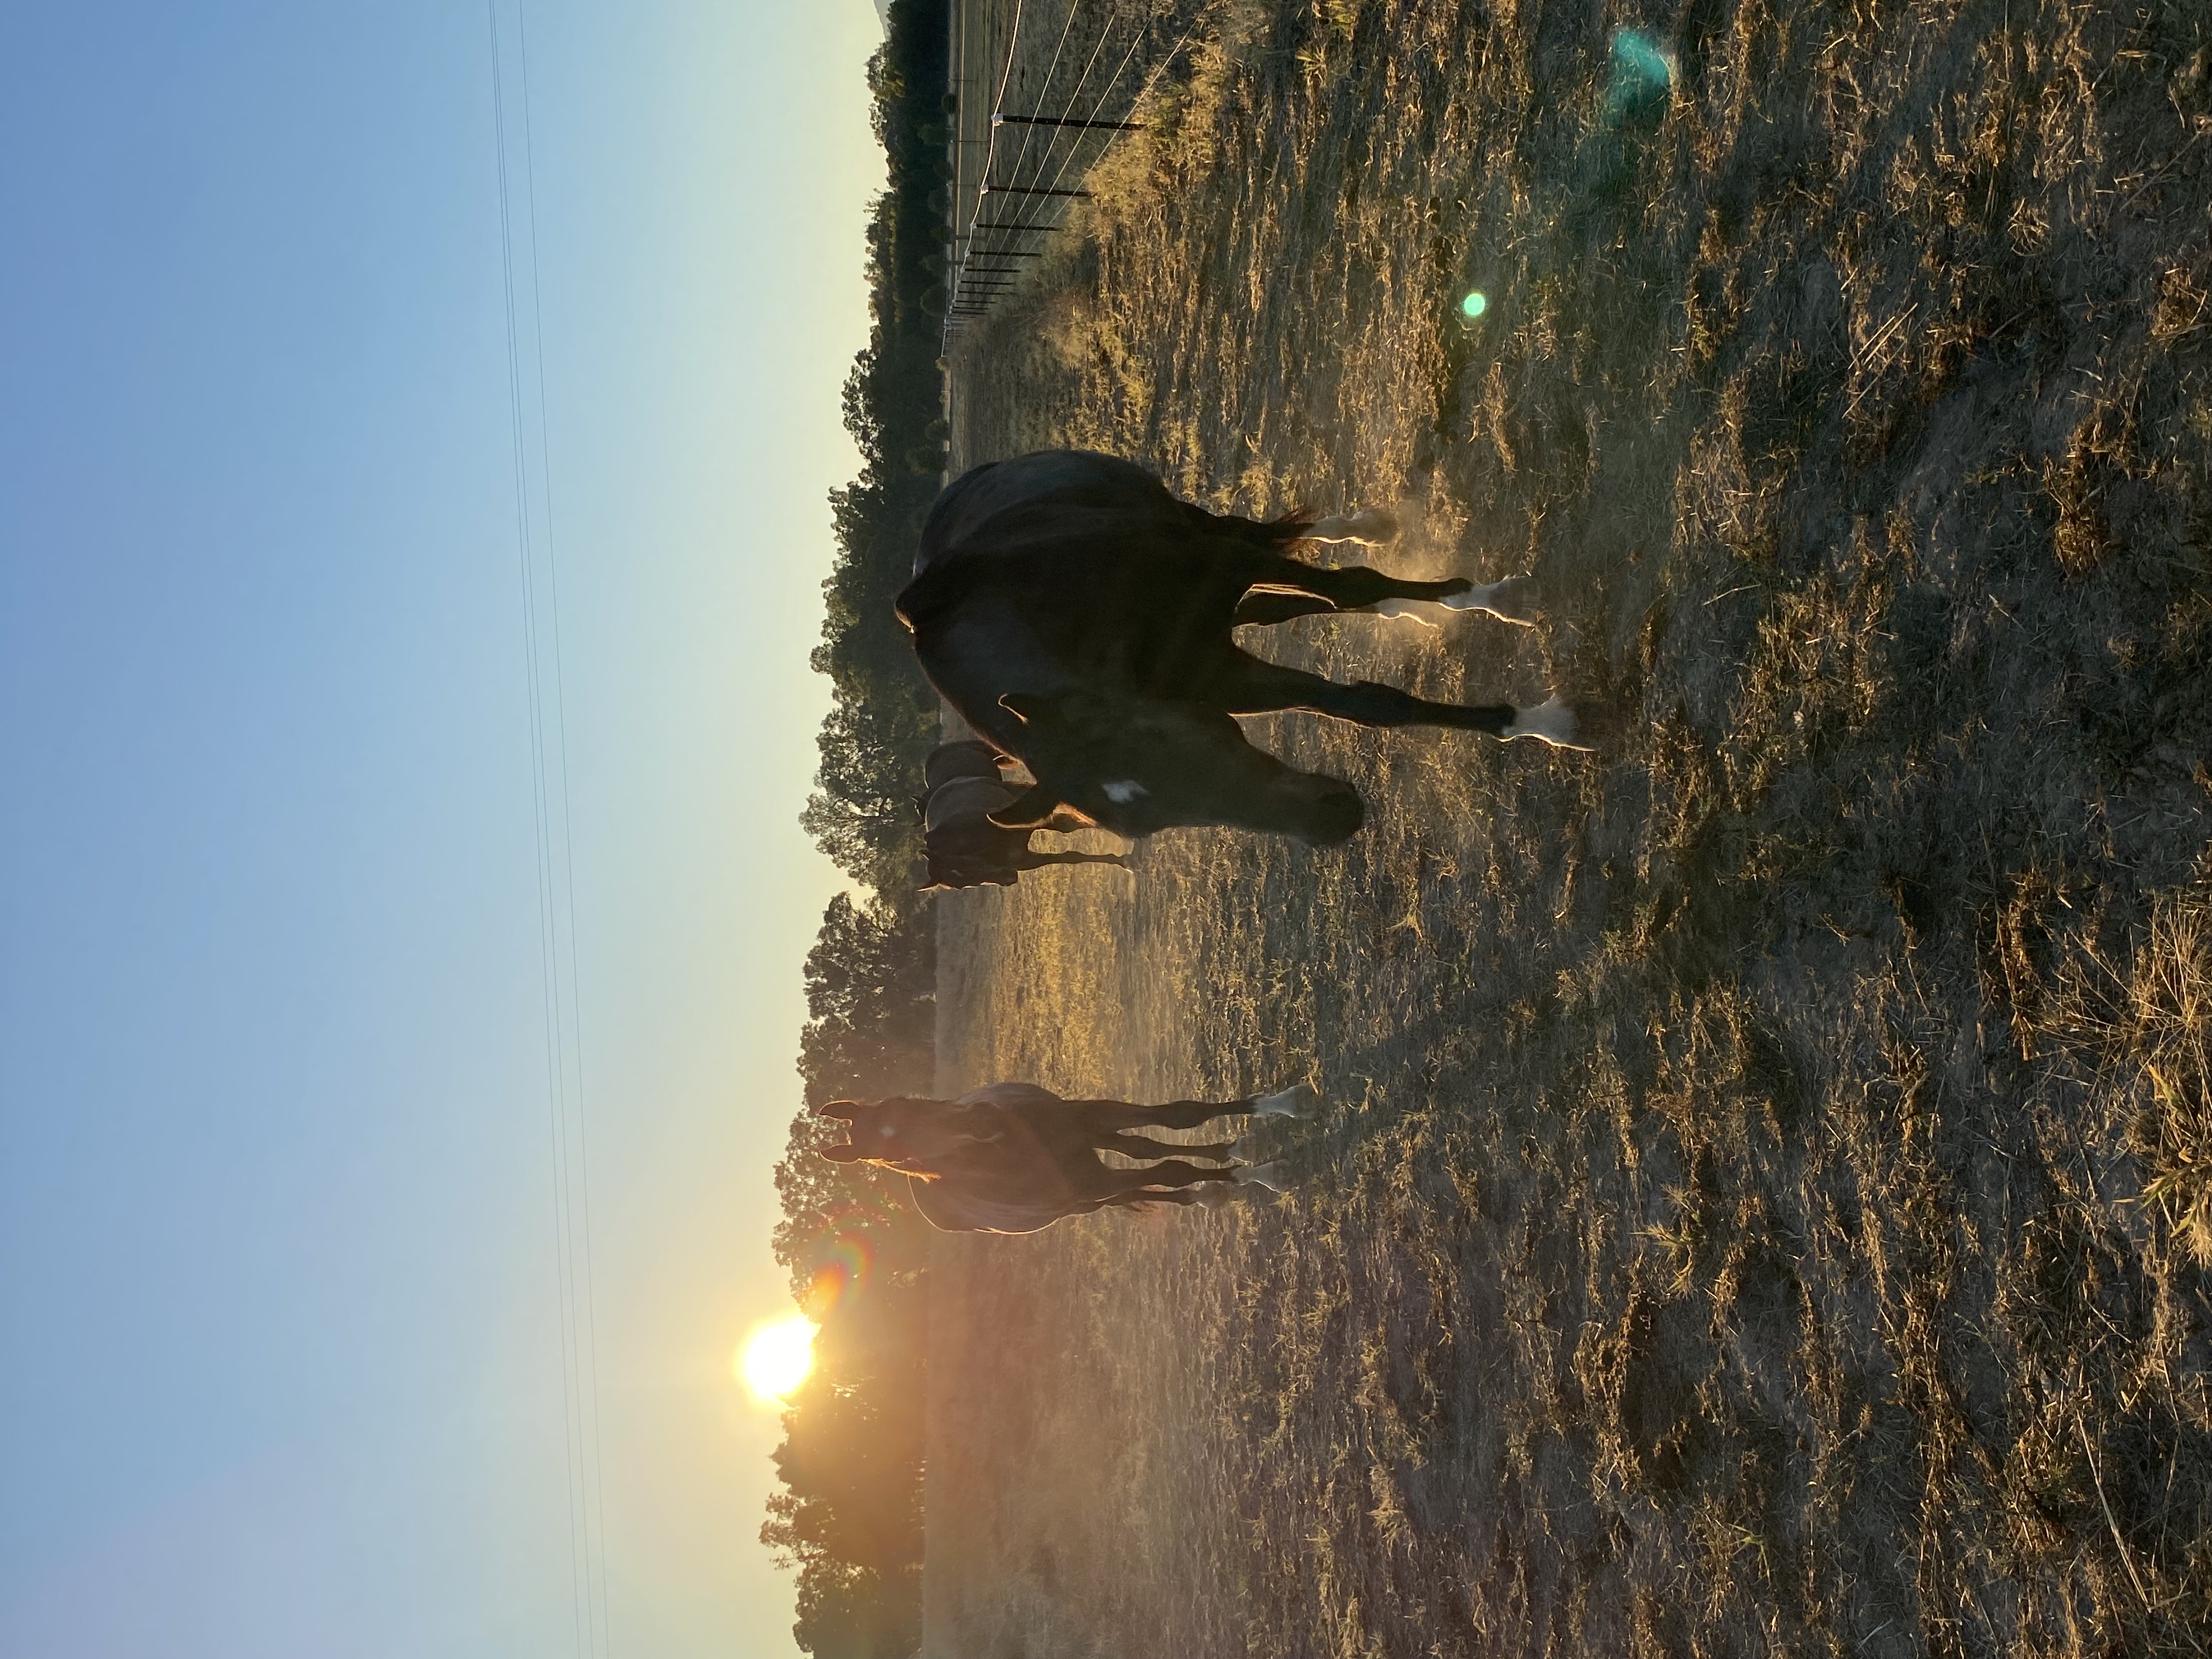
(776, 1357)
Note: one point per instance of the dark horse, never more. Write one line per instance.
(1080, 617)
(964, 848)
(1013, 1157)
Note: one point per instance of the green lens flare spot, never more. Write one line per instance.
(1474, 305)
(1641, 81)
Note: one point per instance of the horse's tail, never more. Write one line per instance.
(1258, 533)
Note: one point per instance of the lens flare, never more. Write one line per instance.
(776, 1357)
(1641, 82)
(842, 1267)
(1474, 305)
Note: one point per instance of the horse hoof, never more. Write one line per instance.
(1214, 1194)
(1554, 722)
(1269, 1176)
(1517, 600)
(1292, 1101)
(1374, 527)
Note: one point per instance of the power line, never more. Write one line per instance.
(583, 1483)
(583, 1163)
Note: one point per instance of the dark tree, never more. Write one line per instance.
(884, 716)
(849, 1520)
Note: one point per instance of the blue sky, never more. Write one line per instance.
(277, 1287)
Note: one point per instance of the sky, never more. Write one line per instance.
(281, 1339)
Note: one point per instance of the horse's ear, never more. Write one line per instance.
(1031, 810)
(843, 1152)
(843, 1110)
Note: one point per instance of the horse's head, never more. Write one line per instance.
(900, 1131)
(1135, 765)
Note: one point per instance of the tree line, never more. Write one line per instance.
(848, 1518)
(883, 718)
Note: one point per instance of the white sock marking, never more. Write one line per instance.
(1553, 721)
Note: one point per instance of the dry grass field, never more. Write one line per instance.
(1764, 1202)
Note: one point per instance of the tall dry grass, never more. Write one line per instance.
(1762, 1205)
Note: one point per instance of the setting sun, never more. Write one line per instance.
(776, 1357)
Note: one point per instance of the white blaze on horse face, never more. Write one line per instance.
(1127, 790)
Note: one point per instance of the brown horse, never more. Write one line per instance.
(965, 848)
(1013, 1157)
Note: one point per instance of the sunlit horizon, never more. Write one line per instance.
(775, 1358)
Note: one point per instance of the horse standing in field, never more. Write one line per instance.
(964, 848)
(1013, 1157)
(1080, 617)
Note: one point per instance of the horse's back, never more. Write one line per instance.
(965, 798)
(1061, 480)
(1010, 1095)
(966, 758)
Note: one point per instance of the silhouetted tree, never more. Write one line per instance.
(883, 719)
(848, 1520)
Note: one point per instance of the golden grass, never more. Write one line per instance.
(1764, 1201)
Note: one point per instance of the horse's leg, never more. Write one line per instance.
(1370, 525)
(1139, 1197)
(1027, 861)
(1265, 608)
(1346, 586)
(1516, 600)
(1254, 687)
(1144, 1147)
(1105, 1117)
(1173, 1173)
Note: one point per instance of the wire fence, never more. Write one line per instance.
(1042, 89)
